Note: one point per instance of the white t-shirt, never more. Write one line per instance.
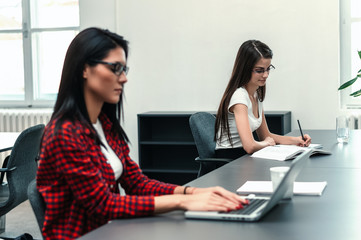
(240, 96)
(109, 154)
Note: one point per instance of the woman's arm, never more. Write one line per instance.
(250, 145)
(263, 132)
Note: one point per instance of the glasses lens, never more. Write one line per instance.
(262, 71)
(259, 70)
(121, 69)
(126, 70)
(118, 68)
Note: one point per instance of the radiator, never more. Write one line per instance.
(355, 121)
(17, 120)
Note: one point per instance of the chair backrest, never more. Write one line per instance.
(37, 203)
(23, 160)
(202, 126)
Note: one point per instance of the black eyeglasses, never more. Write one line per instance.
(117, 68)
(262, 70)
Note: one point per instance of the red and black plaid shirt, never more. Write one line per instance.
(79, 187)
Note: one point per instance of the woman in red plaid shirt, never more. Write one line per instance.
(84, 157)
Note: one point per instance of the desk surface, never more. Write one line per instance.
(334, 215)
(7, 140)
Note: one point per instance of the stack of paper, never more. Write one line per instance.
(299, 188)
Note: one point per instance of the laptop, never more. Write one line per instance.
(259, 206)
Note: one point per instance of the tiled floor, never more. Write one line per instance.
(21, 220)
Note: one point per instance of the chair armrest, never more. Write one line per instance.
(7, 169)
(213, 160)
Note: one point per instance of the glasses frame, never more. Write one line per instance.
(262, 71)
(116, 67)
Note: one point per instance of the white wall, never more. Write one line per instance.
(182, 54)
(95, 13)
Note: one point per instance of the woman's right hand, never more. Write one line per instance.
(212, 199)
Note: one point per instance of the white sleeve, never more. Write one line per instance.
(240, 96)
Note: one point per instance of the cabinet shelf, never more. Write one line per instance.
(190, 143)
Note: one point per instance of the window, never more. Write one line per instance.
(34, 37)
(350, 39)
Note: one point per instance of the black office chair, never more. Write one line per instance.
(20, 168)
(37, 203)
(202, 125)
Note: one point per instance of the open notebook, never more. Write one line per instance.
(259, 206)
(286, 152)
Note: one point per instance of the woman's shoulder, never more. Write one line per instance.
(65, 129)
(240, 96)
(241, 90)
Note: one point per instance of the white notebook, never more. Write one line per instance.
(299, 188)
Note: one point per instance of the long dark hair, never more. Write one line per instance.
(89, 44)
(248, 55)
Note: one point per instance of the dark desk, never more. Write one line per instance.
(334, 215)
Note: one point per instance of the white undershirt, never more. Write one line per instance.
(109, 154)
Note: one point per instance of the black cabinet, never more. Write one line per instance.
(279, 122)
(166, 146)
(167, 149)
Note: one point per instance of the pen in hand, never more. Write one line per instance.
(299, 125)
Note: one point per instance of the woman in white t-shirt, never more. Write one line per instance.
(240, 112)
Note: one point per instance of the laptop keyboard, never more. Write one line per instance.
(249, 208)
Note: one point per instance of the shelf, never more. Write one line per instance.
(164, 127)
(168, 157)
(179, 178)
(190, 143)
